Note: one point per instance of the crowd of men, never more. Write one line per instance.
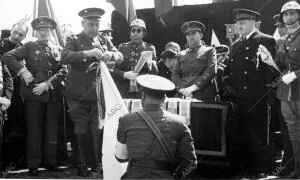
(35, 77)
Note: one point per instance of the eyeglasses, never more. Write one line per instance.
(136, 30)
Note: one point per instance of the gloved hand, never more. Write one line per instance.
(40, 88)
(26, 75)
(288, 78)
(5, 103)
(97, 53)
(130, 75)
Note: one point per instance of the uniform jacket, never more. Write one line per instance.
(40, 61)
(131, 53)
(290, 62)
(196, 66)
(8, 86)
(143, 145)
(80, 82)
(245, 76)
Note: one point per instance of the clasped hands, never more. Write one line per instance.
(188, 92)
(28, 78)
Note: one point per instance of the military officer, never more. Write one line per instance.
(15, 113)
(41, 90)
(285, 143)
(194, 70)
(137, 143)
(124, 75)
(246, 79)
(289, 89)
(80, 52)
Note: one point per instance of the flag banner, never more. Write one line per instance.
(115, 108)
(214, 39)
(125, 7)
(162, 7)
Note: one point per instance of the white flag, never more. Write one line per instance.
(214, 39)
(115, 108)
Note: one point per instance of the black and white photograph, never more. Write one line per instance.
(150, 89)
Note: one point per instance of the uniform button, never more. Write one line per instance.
(288, 48)
(289, 39)
(245, 72)
(147, 152)
(247, 48)
(231, 59)
(245, 87)
(246, 57)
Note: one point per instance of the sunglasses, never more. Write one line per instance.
(136, 30)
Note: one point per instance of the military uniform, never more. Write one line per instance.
(6, 90)
(80, 88)
(289, 94)
(196, 66)
(247, 78)
(147, 159)
(42, 112)
(131, 53)
(15, 113)
(80, 80)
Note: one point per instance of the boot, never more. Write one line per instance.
(296, 173)
(97, 153)
(82, 169)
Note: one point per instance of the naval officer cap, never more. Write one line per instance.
(155, 84)
(192, 26)
(43, 22)
(91, 13)
(243, 14)
(222, 49)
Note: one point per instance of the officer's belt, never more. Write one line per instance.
(154, 164)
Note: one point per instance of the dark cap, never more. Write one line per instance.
(278, 22)
(91, 13)
(222, 49)
(242, 14)
(43, 22)
(192, 26)
(155, 83)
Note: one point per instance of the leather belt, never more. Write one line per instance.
(154, 164)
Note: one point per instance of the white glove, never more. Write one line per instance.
(97, 53)
(5, 103)
(26, 75)
(130, 75)
(288, 78)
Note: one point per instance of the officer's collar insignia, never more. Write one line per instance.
(37, 52)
